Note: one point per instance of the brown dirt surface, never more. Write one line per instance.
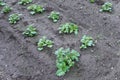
(20, 59)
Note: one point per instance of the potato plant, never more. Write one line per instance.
(65, 60)
(106, 7)
(30, 31)
(6, 9)
(24, 2)
(34, 8)
(44, 42)
(68, 28)
(86, 41)
(54, 16)
(2, 3)
(14, 18)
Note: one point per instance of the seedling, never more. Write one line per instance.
(92, 1)
(106, 7)
(6, 9)
(14, 18)
(54, 16)
(24, 2)
(44, 42)
(68, 28)
(2, 3)
(65, 60)
(34, 8)
(30, 31)
(86, 41)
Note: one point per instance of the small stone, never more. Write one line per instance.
(104, 18)
(92, 50)
(112, 68)
(13, 2)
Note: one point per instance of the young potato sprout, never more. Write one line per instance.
(106, 7)
(86, 41)
(44, 42)
(68, 28)
(2, 3)
(6, 9)
(30, 31)
(65, 60)
(34, 8)
(14, 18)
(54, 16)
(92, 1)
(24, 2)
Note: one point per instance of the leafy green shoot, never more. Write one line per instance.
(2, 3)
(68, 28)
(65, 60)
(86, 41)
(44, 42)
(14, 18)
(106, 7)
(30, 31)
(6, 9)
(54, 16)
(24, 2)
(34, 8)
(92, 1)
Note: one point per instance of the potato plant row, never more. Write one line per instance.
(65, 57)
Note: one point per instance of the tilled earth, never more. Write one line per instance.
(20, 60)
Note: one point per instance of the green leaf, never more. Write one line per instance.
(68, 28)
(30, 31)
(54, 16)
(60, 73)
(24, 2)
(65, 60)
(34, 8)
(86, 41)
(106, 7)
(92, 1)
(44, 42)
(13, 18)
(40, 49)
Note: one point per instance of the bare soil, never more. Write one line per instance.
(20, 60)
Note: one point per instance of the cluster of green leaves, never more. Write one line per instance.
(106, 7)
(65, 60)
(13, 18)
(86, 41)
(34, 8)
(68, 28)
(30, 31)
(6, 9)
(25, 2)
(2, 3)
(54, 16)
(44, 42)
(92, 1)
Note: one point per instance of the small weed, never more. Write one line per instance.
(92, 1)
(44, 42)
(106, 7)
(13, 18)
(30, 31)
(65, 60)
(54, 16)
(24, 2)
(2, 3)
(6, 9)
(86, 42)
(68, 28)
(34, 8)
